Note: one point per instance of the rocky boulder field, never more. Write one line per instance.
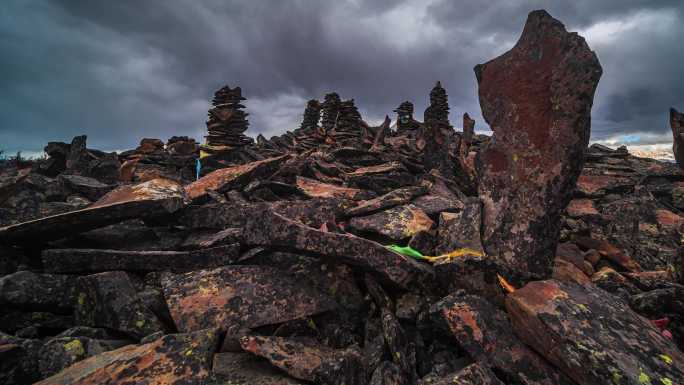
(342, 253)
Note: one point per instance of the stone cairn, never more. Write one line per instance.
(329, 111)
(306, 137)
(441, 143)
(405, 121)
(348, 127)
(438, 111)
(227, 120)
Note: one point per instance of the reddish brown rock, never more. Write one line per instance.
(97, 260)
(484, 332)
(613, 282)
(461, 229)
(235, 297)
(609, 252)
(591, 337)
(315, 189)
(579, 208)
(172, 359)
(153, 198)
(394, 198)
(229, 178)
(668, 219)
(308, 360)
(569, 252)
(266, 228)
(566, 271)
(677, 125)
(593, 185)
(396, 223)
(537, 99)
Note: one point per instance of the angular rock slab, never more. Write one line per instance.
(172, 359)
(110, 300)
(267, 228)
(537, 98)
(235, 297)
(396, 197)
(315, 189)
(396, 223)
(461, 229)
(149, 199)
(484, 332)
(677, 125)
(308, 360)
(229, 178)
(97, 260)
(592, 337)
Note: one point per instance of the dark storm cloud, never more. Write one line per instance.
(121, 70)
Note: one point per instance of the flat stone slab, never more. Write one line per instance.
(593, 337)
(267, 228)
(153, 198)
(397, 197)
(396, 223)
(308, 360)
(235, 297)
(315, 189)
(172, 359)
(484, 332)
(98, 260)
(229, 178)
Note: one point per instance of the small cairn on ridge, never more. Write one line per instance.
(441, 143)
(348, 126)
(405, 121)
(307, 136)
(329, 111)
(227, 121)
(438, 110)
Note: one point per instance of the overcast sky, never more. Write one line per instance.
(122, 70)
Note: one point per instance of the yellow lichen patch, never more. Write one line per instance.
(666, 359)
(644, 379)
(81, 298)
(616, 377)
(75, 348)
(666, 381)
(448, 257)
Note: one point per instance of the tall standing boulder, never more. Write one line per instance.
(677, 125)
(537, 99)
